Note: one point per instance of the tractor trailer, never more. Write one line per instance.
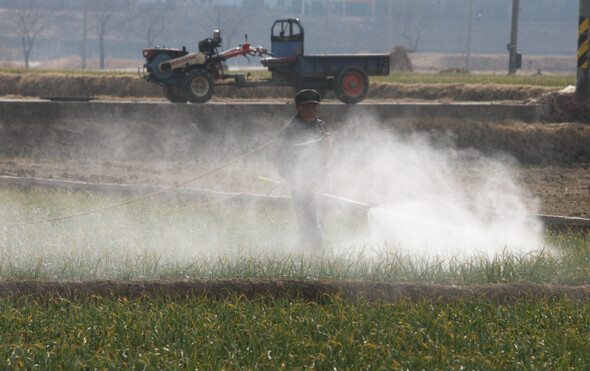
(191, 77)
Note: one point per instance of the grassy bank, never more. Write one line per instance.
(394, 77)
(476, 78)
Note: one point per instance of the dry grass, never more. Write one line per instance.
(456, 92)
(494, 63)
(128, 86)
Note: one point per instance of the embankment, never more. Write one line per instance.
(125, 86)
(160, 130)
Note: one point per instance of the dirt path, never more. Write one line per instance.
(558, 190)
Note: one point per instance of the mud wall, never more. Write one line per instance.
(132, 87)
(149, 130)
(33, 110)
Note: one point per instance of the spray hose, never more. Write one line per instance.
(135, 199)
(277, 184)
(271, 221)
(322, 194)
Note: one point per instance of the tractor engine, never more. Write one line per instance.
(209, 45)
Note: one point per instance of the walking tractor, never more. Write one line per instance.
(191, 76)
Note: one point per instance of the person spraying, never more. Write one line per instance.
(302, 160)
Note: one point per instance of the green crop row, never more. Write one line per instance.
(238, 333)
(177, 239)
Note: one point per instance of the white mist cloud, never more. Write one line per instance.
(431, 199)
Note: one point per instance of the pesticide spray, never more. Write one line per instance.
(421, 197)
(427, 199)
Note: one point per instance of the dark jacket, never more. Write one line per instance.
(302, 157)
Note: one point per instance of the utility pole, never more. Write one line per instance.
(467, 59)
(390, 24)
(84, 27)
(513, 59)
(583, 78)
(326, 19)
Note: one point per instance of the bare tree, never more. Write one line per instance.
(28, 22)
(413, 26)
(230, 20)
(146, 20)
(412, 35)
(103, 25)
(154, 18)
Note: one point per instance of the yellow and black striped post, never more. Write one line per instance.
(583, 77)
(583, 43)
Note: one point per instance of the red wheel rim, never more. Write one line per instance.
(353, 84)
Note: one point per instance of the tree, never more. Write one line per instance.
(102, 18)
(148, 20)
(229, 20)
(29, 21)
(413, 26)
(153, 18)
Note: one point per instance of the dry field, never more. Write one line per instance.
(561, 185)
(555, 154)
(559, 190)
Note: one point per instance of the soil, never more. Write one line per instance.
(556, 190)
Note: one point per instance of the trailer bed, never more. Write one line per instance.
(329, 65)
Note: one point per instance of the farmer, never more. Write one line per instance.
(303, 154)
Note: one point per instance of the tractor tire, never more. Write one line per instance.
(175, 94)
(351, 85)
(199, 86)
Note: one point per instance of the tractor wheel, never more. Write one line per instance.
(351, 85)
(199, 86)
(175, 94)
